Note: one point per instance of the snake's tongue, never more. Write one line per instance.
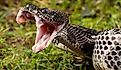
(44, 37)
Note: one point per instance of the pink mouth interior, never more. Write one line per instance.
(44, 36)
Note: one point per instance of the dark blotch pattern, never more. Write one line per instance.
(119, 53)
(107, 64)
(98, 37)
(118, 48)
(102, 38)
(104, 42)
(115, 67)
(114, 53)
(99, 42)
(107, 38)
(101, 47)
(116, 58)
(119, 63)
(113, 38)
(102, 52)
(109, 43)
(106, 33)
(97, 46)
(97, 51)
(112, 63)
(95, 56)
(99, 56)
(105, 48)
(109, 57)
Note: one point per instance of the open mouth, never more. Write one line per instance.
(46, 31)
(44, 36)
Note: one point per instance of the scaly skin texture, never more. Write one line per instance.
(107, 50)
(69, 37)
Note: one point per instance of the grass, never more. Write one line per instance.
(16, 40)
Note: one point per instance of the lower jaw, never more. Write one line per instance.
(39, 46)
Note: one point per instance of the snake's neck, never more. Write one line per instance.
(76, 39)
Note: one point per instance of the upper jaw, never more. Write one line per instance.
(24, 16)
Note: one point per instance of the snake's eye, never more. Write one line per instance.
(53, 14)
(44, 10)
(30, 7)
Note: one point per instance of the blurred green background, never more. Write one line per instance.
(16, 40)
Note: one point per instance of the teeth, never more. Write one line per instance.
(43, 38)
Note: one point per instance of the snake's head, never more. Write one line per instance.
(48, 23)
